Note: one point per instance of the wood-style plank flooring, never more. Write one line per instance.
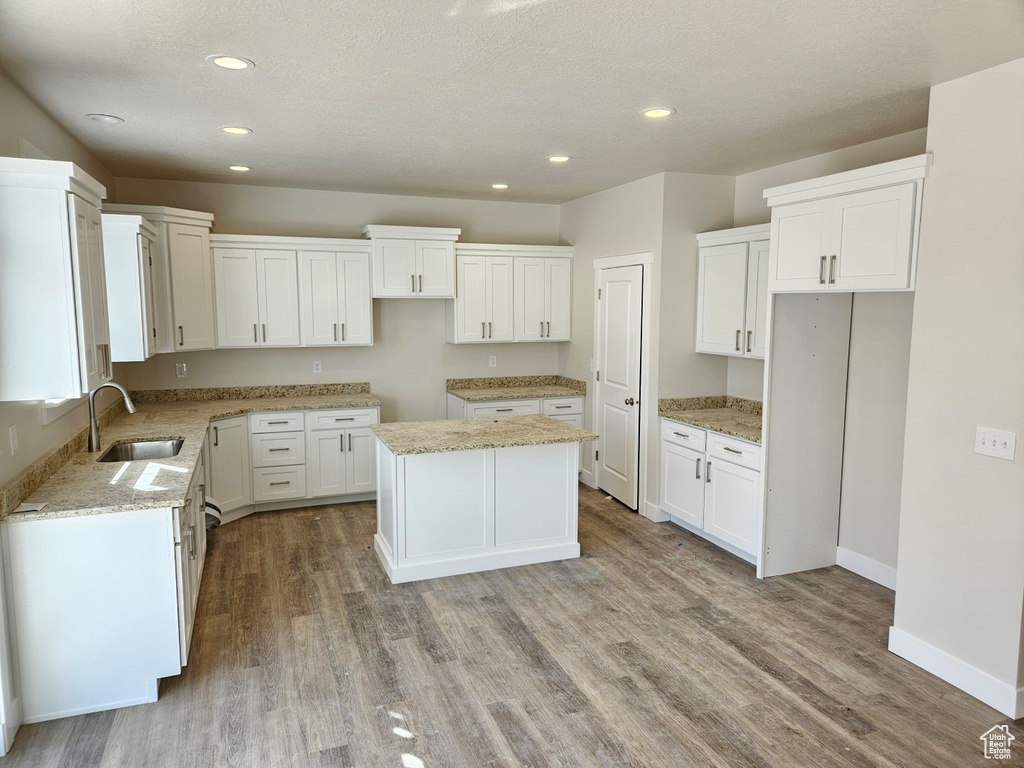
(653, 649)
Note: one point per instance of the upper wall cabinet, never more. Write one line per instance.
(511, 293)
(854, 231)
(128, 245)
(732, 291)
(182, 276)
(54, 337)
(413, 262)
(335, 308)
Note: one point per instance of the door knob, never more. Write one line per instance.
(630, 401)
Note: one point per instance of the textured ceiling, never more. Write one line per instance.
(446, 97)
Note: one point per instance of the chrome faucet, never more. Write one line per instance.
(94, 426)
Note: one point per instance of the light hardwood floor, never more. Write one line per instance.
(653, 649)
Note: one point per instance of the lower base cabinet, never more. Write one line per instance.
(713, 496)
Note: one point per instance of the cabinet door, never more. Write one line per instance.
(731, 505)
(558, 299)
(149, 318)
(873, 235)
(320, 316)
(682, 483)
(500, 298)
(801, 238)
(530, 313)
(166, 340)
(356, 306)
(238, 313)
(757, 300)
(91, 293)
(191, 286)
(721, 299)
(394, 267)
(471, 304)
(278, 285)
(325, 463)
(435, 269)
(230, 469)
(360, 461)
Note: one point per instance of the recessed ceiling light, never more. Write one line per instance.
(239, 168)
(499, 186)
(236, 130)
(105, 119)
(658, 112)
(230, 62)
(559, 158)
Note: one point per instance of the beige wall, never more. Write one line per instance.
(409, 360)
(961, 574)
(22, 119)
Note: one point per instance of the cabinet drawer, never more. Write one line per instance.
(683, 434)
(560, 406)
(276, 483)
(286, 421)
(278, 449)
(342, 418)
(734, 450)
(503, 408)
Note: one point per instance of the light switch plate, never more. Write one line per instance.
(997, 443)
(492, 361)
(318, 366)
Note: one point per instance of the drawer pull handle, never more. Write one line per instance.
(483, 329)
(275, 423)
(750, 338)
(255, 335)
(832, 270)
(738, 334)
(274, 450)
(421, 283)
(264, 333)
(698, 469)
(413, 279)
(216, 437)
(346, 418)
(335, 331)
(504, 410)
(707, 474)
(732, 450)
(181, 336)
(350, 441)
(821, 272)
(563, 406)
(680, 434)
(283, 482)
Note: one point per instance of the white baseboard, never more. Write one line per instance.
(587, 478)
(872, 570)
(653, 512)
(969, 679)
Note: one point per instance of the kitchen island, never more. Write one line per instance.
(468, 495)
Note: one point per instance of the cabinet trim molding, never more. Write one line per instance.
(411, 233)
(881, 175)
(270, 242)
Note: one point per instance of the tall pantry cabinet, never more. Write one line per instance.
(54, 335)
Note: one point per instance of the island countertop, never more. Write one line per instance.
(418, 437)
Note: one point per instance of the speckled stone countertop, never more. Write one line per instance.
(85, 486)
(728, 415)
(515, 387)
(416, 437)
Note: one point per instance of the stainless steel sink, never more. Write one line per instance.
(143, 449)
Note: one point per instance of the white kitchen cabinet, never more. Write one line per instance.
(854, 231)
(181, 246)
(257, 296)
(413, 262)
(334, 296)
(341, 458)
(732, 291)
(190, 556)
(732, 505)
(543, 299)
(230, 466)
(682, 483)
(128, 243)
(484, 307)
(54, 333)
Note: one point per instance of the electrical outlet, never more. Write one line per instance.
(492, 361)
(318, 367)
(13, 434)
(180, 370)
(995, 442)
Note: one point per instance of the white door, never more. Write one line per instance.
(757, 300)
(618, 368)
(435, 269)
(319, 323)
(191, 286)
(471, 306)
(682, 483)
(558, 299)
(277, 278)
(394, 267)
(325, 463)
(873, 239)
(530, 310)
(731, 505)
(230, 469)
(722, 292)
(238, 313)
(356, 306)
(801, 242)
(500, 298)
(360, 461)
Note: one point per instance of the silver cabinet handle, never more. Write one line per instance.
(542, 329)
(421, 283)
(181, 336)
(350, 441)
(732, 450)
(503, 410)
(341, 443)
(490, 330)
(275, 450)
(750, 338)
(346, 418)
(216, 437)
(680, 434)
(255, 334)
(264, 333)
(698, 469)
(821, 272)
(275, 423)
(832, 270)
(563, 406)
(549, 329)
(738, 340)
(202, 498)
(335, 331)
(483, 329)
(412, 279)
(342, 331)
(283, 482)
(707, 474)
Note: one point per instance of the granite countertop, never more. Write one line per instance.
(416, 437)
(729, 416)
(515, 388)
(85, 486)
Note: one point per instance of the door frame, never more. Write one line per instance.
(645, 261)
